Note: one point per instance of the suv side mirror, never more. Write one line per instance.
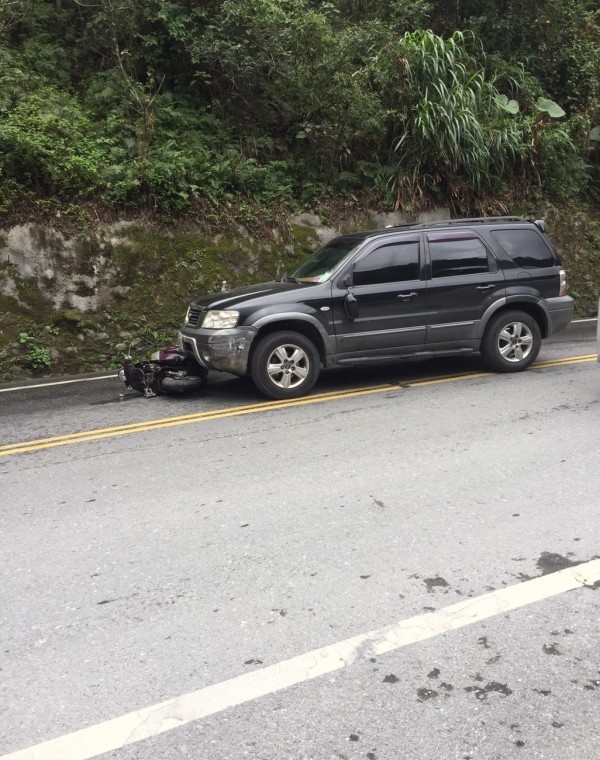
(350, 302)
(351, 306)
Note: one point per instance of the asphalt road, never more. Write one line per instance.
(211, 558)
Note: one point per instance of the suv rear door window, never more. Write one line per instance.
(457, 255)
(526, 248)
(396, 262)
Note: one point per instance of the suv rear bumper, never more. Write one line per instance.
(560, 312)
(222, 350)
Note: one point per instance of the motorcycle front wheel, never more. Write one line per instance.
(183, 384)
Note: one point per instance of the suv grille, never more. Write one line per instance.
(194, 316)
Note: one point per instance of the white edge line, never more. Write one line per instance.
(59, 382)
(173, 713)
(108, 377)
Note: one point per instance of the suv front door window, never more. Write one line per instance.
(397, 262)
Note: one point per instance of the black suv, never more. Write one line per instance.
(493, 285)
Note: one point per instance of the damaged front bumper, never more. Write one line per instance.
(222, 350)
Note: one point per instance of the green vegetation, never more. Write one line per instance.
(37, 357)
(171, 106)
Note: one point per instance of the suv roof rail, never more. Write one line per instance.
(473, 220)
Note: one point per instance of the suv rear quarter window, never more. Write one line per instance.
(526, 248)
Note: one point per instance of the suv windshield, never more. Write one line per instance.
(325, 260)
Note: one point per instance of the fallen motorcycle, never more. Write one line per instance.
(168, 371)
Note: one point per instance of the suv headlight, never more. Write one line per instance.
(220, 320)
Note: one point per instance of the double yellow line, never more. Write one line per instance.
(268, 406)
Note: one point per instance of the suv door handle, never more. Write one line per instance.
(407, 296)
(485, 287)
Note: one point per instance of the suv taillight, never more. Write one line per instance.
(563, 283)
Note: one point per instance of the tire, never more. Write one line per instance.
(511, 342)
(184, 384)
(285, 365)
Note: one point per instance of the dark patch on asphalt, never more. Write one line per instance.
(493, 659)
(429, 609)
(481, 692)
(550, 562)
(371, 756)
(543, 692)
(354, 737)
(435, 673)
(379, 503)
(519, 743)
(391, 679)
(592, 685)
(253, 662)
(483, 640)
(551, 649)
(244, 525)
(556, 724)
(432, 583)
(106, 601)
(446, 687)
(424, 694)
(364, 577)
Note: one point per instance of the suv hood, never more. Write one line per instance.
(229, 299)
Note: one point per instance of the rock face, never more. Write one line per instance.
(69, 272)
(42, 267)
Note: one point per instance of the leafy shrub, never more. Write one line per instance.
(156, 104)
(37, 357)
(46, 142)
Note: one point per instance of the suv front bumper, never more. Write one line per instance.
(222, 350)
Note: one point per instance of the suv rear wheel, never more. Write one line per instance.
(511, 342)
(285, 365)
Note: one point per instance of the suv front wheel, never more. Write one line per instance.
(511, 342)
(285, 365)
